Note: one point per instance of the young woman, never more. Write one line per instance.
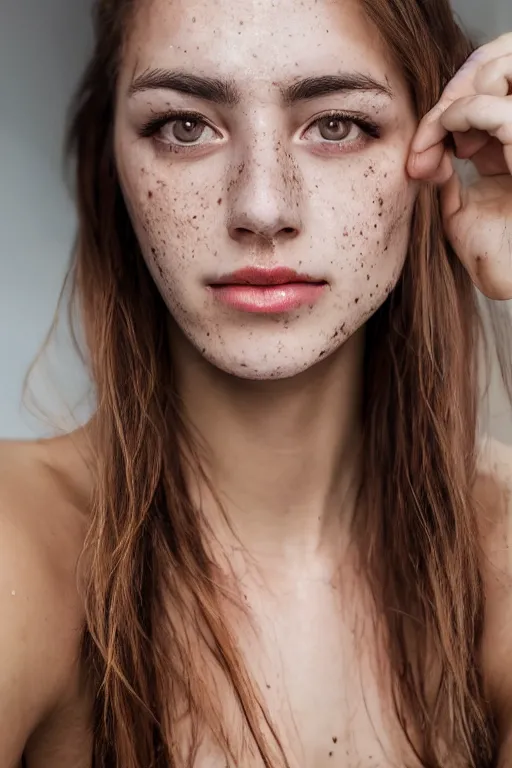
(279, 541)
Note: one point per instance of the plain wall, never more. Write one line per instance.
(43, 45)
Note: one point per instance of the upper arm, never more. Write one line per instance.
(28, 663)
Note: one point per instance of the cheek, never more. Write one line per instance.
(371, 226)
(171, 228)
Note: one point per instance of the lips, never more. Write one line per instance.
(267, 291)
(261, 276)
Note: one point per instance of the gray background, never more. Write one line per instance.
(43, 46)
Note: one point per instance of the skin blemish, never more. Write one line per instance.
(296, 199)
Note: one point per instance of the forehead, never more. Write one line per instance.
(257, 39)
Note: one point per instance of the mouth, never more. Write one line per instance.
(267, 291)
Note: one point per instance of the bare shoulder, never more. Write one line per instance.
(43, 520)
(493, 494)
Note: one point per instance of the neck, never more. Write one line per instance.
(281, 455)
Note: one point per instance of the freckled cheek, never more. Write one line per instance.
(168, 211)
(371, 250)
(171, 228)
(367, 221)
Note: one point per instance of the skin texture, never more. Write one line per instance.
(261, 186)
(259, 194)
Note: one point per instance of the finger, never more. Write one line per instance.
(492, 159)
(478, 60)
(445, 171)
(470, 143)
(425, 165)
(495, 77)
(430, 131)
(500, 46)
(485, 113)
(451, 197)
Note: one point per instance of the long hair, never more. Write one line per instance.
(150, 592)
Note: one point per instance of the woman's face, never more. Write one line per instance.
(293, 159)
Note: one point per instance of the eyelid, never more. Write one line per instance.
(154, 124)
(364, 122)
(151, 128)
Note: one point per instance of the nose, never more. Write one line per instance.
(265, 194)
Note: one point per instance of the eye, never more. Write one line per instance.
(179, 130)
(341, 127)
(183, 131)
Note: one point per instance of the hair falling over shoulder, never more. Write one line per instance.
(149, 585)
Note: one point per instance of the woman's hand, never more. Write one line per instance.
(476, 108)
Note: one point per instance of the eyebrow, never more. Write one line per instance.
(226, 93)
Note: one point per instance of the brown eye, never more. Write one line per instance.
(341, 131)
(186, 130)
(333, 128)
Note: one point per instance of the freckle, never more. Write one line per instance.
(330, 754)
(367, 277)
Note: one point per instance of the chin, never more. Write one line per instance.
(268, 367)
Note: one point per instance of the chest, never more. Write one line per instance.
(311, 653)
(313, 659)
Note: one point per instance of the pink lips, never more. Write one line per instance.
(270, 291)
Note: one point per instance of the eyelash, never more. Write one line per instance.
(151, 128)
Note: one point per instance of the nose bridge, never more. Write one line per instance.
(266, 191)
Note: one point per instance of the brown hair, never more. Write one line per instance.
(150, 590)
